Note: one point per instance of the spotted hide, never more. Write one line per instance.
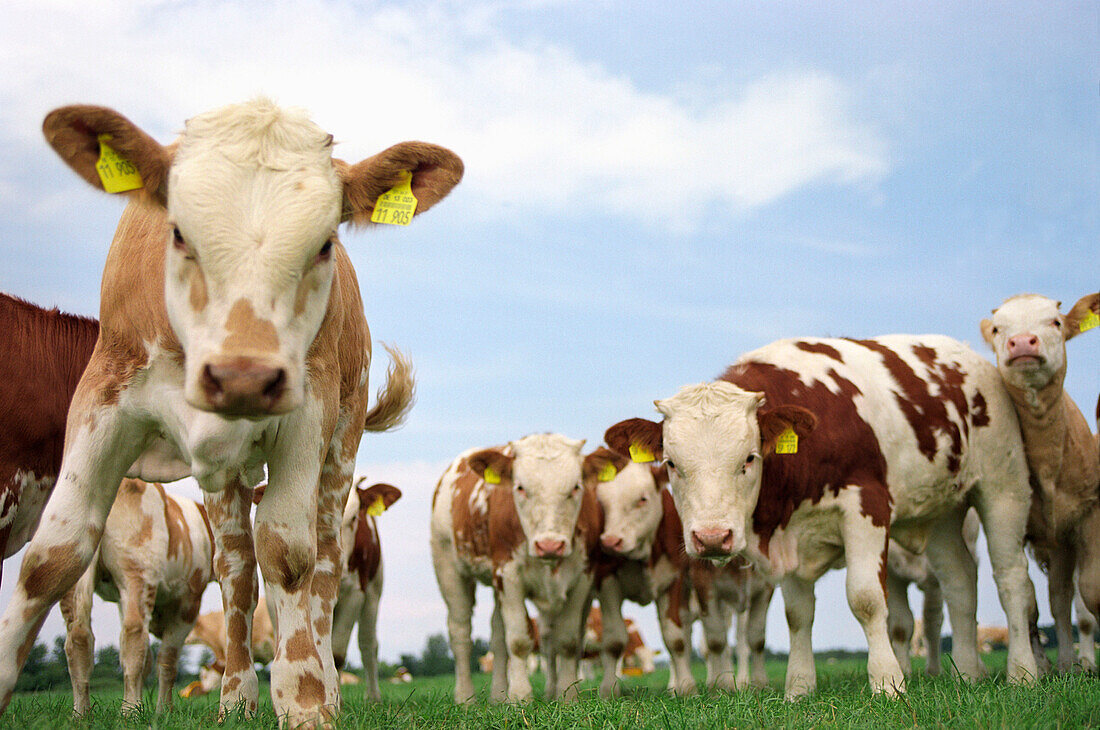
(517, 518)
(155, 560)
(232, 336)
(810, 452)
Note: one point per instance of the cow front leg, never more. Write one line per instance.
(957, 572)
(458, 594)
(759, 601)
(674, 619)
(1086, 634)
(569, 639)
(135, 607)
(180, 621)
(368, 639)
(716, 619)
(932, 617)
(614, 636)
(76, 608)
(798, 602)
(509, 595)
(498, 691)
(335, 483)
(1061, 590)
(1088, 589)
(235, 567)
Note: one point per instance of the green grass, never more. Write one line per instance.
(842, 700)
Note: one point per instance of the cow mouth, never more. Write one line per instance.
(1028, 361)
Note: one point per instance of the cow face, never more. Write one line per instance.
(713, 441)
(252, 199)
(1028, 335)
(543, 472)
(630, 496)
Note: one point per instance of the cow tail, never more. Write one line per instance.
(396, 397)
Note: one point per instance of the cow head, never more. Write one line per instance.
(251, 199)
(377, 496)
(713, 441)
(630, 496)
(1028, 335)
(543, 472)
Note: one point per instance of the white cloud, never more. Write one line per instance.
(541, 130)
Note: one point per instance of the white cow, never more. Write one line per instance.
(809, 452)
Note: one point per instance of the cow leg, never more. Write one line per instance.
(900, 620)
(1061, 590)
(235, 566)
(180, 621)
(458, 593)
(675, 624)
(957, 571)
(1003, 521)
(1086, 629)
(614, 636)
(716, 621)
(1088, 588)
(798, 601)
(932, 618)
(350, 605)
(756, 618)
(76, 608)
(135, 607)
(741, 632)
(335, 483)
(509, 596)
(368, 639)
(499, 647)
(548, 644)
(569, 640)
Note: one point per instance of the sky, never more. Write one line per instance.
(651, 189)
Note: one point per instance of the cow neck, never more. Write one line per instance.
(669, 541)
(1042, 414)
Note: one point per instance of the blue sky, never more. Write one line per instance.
(651, 189)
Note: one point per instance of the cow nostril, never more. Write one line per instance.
(210, 382)
(274, 389)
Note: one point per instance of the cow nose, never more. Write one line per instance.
(712, 542)
(550, 548)
(1023, 343)
(243, 386)
(612, 543)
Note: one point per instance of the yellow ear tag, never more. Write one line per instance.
(607, 473)
(1090, 320)
(377, 507)
(640, 454)
(787, 443)
(491, 476)
(397, 205)
(116, 173)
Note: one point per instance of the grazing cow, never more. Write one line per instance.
(517, 518)
(155, 560)
(809, 452)
(361, 586)
(1028, 335)
(636, 658)
(904, 567)
(42, 354)
(209, 631)
(231, 336)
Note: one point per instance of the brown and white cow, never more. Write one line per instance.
(155, 560)
(209, 631)
(808, 452)
(231, 335)
(635, 659)
(1028, 335)
(518, 518)
(361, 586)
(42, 354)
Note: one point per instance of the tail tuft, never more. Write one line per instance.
(396, 397)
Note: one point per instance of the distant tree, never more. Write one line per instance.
(107, 665)
(436, 659)
(478, 650)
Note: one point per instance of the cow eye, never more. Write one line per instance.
(749, 459)
(577, 489)
(1057, 323)
(642, 500)
(325, 252)
(520, 489)
(995, 330)
(670, 465)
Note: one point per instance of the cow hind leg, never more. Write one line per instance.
(957, 572)
(932, 615)
(368, 640)
(1086, 629)
(614, 637)
(135, 607)
(900, 622)
(756, 618)
(76, 608)
(180, 621)
(675, 622)
(716, 629)
(498, 691)
(798, 600)
(1061, 589)
(458, 594)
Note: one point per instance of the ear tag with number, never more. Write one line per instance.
(640, 454)
(397, 205)
(117, 174)
(1090, 320)
(607, 473)
(377, 507)
(491, 476)
(787, 443)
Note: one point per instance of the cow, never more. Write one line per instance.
(1028, 335)
(155, 560)
(209, 631)
(42, 355)
(361, 586)
(809, 452)
(636, 658)
(904, 567)
(232, 336)
(518, 518)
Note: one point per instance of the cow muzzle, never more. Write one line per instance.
(612, 544)
(244, 387)
(550, 549)
(716, 542)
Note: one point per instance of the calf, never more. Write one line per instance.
(520, 519)
(361, 586)
(810, 452)
(1028, 335)
(231, 336)
(42, 354)
(155, 560)
(209, 631)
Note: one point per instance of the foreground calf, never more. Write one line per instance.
(232, 336)
(155, 560)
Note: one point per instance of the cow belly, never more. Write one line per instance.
(22, 507)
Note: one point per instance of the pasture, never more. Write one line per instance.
(842, 700)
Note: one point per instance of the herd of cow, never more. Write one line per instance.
(232, 338)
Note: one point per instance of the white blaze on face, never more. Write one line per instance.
(253, 203)
(546, 486)
(1027, 334)
(711, 444)
(632, 511)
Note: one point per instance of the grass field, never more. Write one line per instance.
(842, 700)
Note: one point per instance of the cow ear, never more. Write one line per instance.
(258, 492)
(78, 135)
(637, 438)
(775, 421)
(602, 465)
(385, 492)
(660, 476)
(361, 491)
(1084, 315)
(435, 170)
(987, 331)
(492, 465)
